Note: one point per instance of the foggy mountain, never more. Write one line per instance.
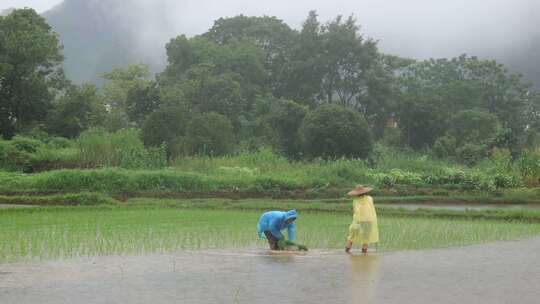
(99, 35)
(6, 12)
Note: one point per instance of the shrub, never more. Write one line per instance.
(123, 148)
(470, 154)
(285, 118)
(445, 146)
(391, 137)
(59, 143)
(474, 126)
(333, 131)
(26, 144)
(78, 109)
(11, 158)
(49, 159)
(529, 165)
(166, 125)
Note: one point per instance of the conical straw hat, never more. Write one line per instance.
(359, 190)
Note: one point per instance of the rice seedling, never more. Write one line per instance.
(63, 232)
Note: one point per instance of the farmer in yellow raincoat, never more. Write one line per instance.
(363, 229)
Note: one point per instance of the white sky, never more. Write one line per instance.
(412, 28)
(39, 5)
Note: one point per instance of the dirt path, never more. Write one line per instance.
(505, 272)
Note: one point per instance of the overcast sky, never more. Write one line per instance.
(39, 5)
(412, 28)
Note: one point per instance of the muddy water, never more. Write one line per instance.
(507, 272)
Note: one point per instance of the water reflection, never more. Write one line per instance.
(364, 270)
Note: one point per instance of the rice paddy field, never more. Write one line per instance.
(44, 233)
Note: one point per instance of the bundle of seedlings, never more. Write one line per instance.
(290, 246)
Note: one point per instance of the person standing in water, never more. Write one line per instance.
(363, 229)
(271, 223)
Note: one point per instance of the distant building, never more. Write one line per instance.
(392, 121)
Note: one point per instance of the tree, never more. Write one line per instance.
(141, 101)
(303, 72)
(380, 102)
(471, 133)
(120, 81)
(30, 58)
(336, 131)
(422, 122)
(447, 86)
(221, 78)
(285, 118)
(206, 92)
(79, 109)
(270, 34)
(209, 134)
(474, 126)
(241, 58)
(164, 126)
(346, 60)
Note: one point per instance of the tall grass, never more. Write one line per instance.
(386, 159)
(84, 231)
(72, 199)
(529, 165)
(261, 171)
(123, 148)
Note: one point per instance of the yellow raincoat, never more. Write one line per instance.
(363, 229)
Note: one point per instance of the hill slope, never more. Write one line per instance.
(98, 36)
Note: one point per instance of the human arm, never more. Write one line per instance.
(291, 231)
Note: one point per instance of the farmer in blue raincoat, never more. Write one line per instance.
(271, 223)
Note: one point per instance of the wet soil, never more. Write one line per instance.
(504, 272)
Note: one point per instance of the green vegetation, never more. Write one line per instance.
(248, 83)
(78, 199)
(258, 173)
(57, 232)
(253, 108)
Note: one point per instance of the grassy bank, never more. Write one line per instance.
(70, 199)
(263, 172)
(80, 231)
(278, 183)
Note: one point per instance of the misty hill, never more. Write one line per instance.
(100, 35)
(6, 11)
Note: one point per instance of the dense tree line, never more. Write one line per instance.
(324, 90)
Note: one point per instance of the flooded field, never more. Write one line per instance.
(502, 272)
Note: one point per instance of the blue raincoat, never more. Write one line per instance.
(274, 221)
